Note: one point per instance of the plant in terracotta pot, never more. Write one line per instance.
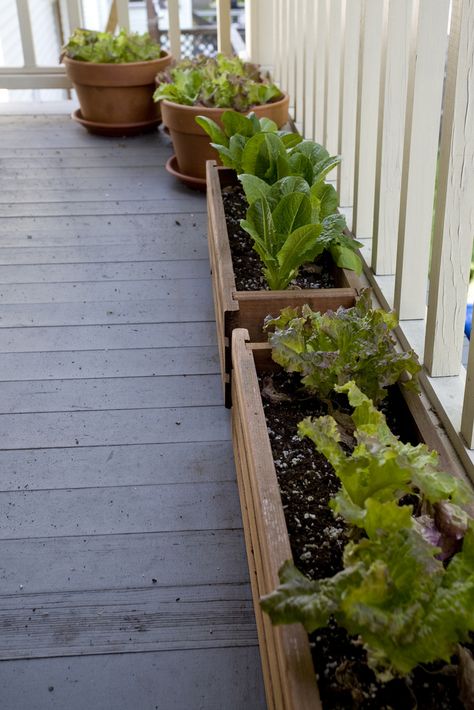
(113, 76)
(209, 86)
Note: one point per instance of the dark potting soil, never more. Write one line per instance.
(307, 482)
(245, 260)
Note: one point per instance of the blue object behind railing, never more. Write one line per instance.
(468, 326)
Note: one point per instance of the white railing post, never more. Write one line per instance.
(425, 89)
(368, 104)
(309, 68)
(174, 28)
(349, 100)
(224, 44)
(454, 210)
(74, 14)
(333, 75)
(27, 42)
(390, 137)
(321, 39)
(299, 21)
(123, 16)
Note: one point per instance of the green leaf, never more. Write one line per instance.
(261, 154)
(213, 130)
(328, 198)
(267, 125)
(289, 140)
(254, 187)
(292, 211)
(346, 258)
(296, 250)
(235, 122)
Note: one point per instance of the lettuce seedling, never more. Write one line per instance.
(106, 48)
(393, 593)
(285, 235)
(216, 82)
(329, 349)
(237, 130)
(381, 468)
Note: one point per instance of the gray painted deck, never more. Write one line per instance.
(123, 576)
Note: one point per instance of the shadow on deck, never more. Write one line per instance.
(124, 581)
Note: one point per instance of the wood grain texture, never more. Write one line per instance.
(144, 680)
(290, 679)
(121, 523)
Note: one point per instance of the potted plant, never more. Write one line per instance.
(396, 513)
(114, 80)
(209, 86)
(281, 193)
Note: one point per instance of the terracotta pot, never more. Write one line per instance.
(117, 93)
(192, 144)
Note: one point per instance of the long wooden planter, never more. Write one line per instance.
(286, 659)
(247, 309)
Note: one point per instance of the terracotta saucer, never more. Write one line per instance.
(194, 183)
(115, 129)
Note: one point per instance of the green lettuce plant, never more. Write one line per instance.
(218, 82)
(285, 236)
(106, 48)
(381, 468)
(403, 603)
(230, 141)
(329, 349)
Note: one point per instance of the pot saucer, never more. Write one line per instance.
(194, 183)
(115, 129)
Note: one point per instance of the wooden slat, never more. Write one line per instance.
(107, 337)
(391, 136)
(129, 509)
(162, 556)
(224, 44)
(174, 29)
(320, 95)
(123, 16)
(333, 75)
(145, 362)
(349, 101)
(138, 680)
(425, 89)
(108, 466)
(163, 310)
(76, 209)
(454, 210)
(74, 14)
(291, 40)
(159, 618)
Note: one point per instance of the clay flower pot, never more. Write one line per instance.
(116, 97)
(192, 145)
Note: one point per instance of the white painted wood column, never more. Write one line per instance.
(123, 16)
(174, 28)
(291, 54)
(350, 75)
(423, 115)
(224, 44)
(467, 422)
(333, 75)
(390, 137)
(368, 108)
(26, 33)
(299, 22)
(454, 213)
(320, 60)
(74, 14)
(310, 60)
(261, 28)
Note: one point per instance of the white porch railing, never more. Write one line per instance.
(371, 80)
(32, 76)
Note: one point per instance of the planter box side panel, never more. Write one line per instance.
(286, 647)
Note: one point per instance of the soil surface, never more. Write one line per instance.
(246, 262)
(307, 482)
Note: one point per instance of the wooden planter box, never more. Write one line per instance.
(247, 309)
(286, 658)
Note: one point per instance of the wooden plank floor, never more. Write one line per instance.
(123, 577)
